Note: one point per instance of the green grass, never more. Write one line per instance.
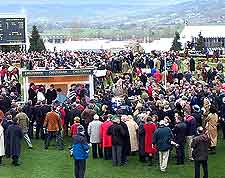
(40, 163)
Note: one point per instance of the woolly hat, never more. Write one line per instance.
(115, 119)
(80, 129)
(196, 108)
(96, 117)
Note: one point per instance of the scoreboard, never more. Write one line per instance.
(12, 30)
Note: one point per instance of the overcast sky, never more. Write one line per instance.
(88, 1)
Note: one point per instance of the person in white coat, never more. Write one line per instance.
(132, 128)
(95, 138)
(2, 144)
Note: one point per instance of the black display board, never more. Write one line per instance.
(12, 30)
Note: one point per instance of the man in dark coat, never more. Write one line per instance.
(74, 112)
(51, 94)
(32, 94)
(28, 109)
(14, 136)
(45, 108)
(117, 133)
(5, 103)
(197, 115)
(86, 117)
(141, 141)
(180, 138)
(162, 138)
(38, 117)
(200, 146)
(126, 149)
(192, 65)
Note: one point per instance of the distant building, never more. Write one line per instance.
(214, 36)
(56, 36)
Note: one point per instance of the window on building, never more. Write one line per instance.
(50, 40)
(57, 40)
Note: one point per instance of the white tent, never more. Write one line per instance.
(88, 45)
(163, 44)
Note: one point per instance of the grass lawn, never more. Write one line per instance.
(40, 163)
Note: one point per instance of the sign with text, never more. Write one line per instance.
(12, 31)
(86, 71)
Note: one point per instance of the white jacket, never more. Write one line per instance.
(2, 147)
(94, 131)
(40, 96)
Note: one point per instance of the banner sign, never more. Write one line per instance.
(46, 73)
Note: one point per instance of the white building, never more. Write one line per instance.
(214, 36)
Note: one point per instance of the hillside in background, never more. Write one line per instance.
(131, 16)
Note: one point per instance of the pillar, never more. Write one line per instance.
(25, 88)
(91, 84)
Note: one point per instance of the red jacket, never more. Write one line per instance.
(106, 139)
(150, 128)
(74, 129)
(157, 76)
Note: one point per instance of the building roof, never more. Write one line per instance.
(213, 31)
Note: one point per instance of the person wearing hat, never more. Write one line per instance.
(126, 150)
(197, 115)
(117, 132)
(162, 138)
(80, 152)
(200, 145)
(14, 135)
(95, 139)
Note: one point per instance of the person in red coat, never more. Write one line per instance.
(74, 126)
(157, 76)
(106, 139)
(149, 127)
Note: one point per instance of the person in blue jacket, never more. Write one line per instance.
(80, 152)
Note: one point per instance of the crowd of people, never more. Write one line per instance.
(177, 103)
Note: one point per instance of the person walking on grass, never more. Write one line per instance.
(179, 132)
(14, 136)
(162, 138)
(200, 146)
(117, 132)
(80, 152)
(95, 139)
(53, 127)
(23, 122)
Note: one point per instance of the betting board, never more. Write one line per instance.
(12, 30)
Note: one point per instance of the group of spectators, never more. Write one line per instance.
(148, 104)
